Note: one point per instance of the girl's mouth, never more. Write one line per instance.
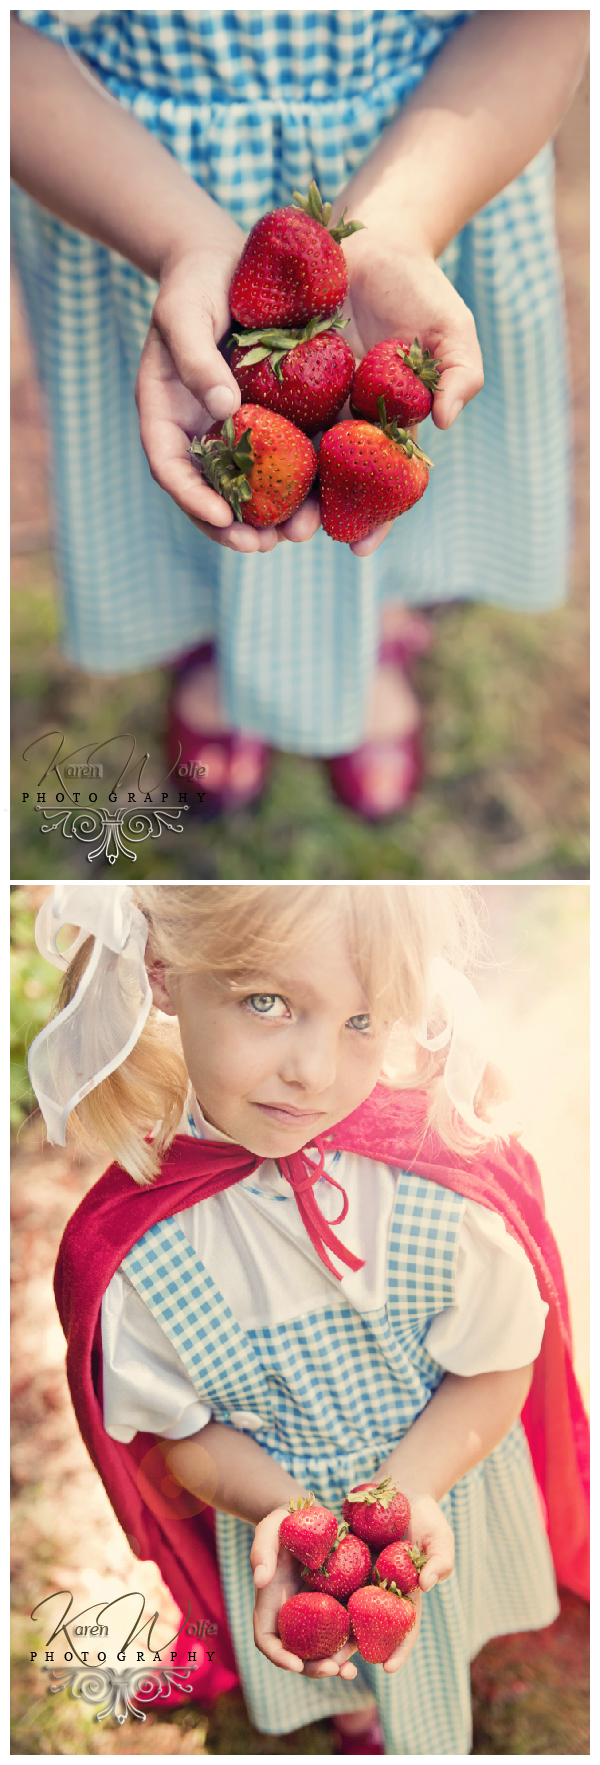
(287, 1116)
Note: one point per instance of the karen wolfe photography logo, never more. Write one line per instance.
(108, 1654)
(87, 794)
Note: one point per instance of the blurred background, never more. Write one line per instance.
(506, 793)
(530, 1693)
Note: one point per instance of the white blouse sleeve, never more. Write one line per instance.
(497, 1320)
(146, 1387)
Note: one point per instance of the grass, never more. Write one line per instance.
(505, 794)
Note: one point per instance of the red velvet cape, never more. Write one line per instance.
(166, 1526)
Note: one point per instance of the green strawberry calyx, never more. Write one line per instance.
(343, 1531)
(304, 1501)
(390, 1587)
(317, 210)
(272, 344)
(226, 463)
(385, 1492)
(404, 440)
(422, 363)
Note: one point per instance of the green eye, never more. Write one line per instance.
(362, 1022)
(264, 1002)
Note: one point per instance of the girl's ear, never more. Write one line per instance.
(160, 995)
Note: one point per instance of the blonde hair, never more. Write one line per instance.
(393, 931)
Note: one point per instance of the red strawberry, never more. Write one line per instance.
(401, 1562)
(380, 1516)
(405, 375)
(308, 1531)
(381, 1617)
(305, 375)
(367, 475)
(347, 1567)
(292, 268)
(261, 464)
(313, 1626)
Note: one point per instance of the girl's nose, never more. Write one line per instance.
(311, 1059)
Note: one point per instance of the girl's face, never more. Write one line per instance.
(286, 1057)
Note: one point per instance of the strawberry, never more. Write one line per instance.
(381, 1617)
(308, 1531)
(406, 377)
(313, 1626)
(292, 267)
(401, 1562)
(347, 1567)
(368, 474)
(305, 375)
(261, 464)
(380, 1516)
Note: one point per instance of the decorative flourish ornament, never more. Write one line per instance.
(114, 830)
(116, 1694)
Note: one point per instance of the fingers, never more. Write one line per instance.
(431, 1531)
(272, 1647)
(166, 414)
(169, 417)
(265, 1553)
(338, 1665)
(363, 548)
(186, 316)
(460, 381)
(437, 1568)
(241, 539)
(304, 523)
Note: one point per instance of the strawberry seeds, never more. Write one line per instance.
(343, 1595)
(296, 372)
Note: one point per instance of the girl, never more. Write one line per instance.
(301, 1275)
(155, 140)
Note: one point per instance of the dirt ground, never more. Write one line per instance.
(529, 1692)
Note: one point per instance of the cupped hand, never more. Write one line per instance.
(184, 385)
(276, 1578)
(405, 294)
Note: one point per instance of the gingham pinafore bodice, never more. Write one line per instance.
(254, 105)
(328, 1394)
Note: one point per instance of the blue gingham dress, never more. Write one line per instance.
(329, 1394)
(254, 105)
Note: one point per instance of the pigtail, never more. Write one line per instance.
(491, 1096)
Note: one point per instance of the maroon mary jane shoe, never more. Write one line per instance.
(380, 777)
(223, 770)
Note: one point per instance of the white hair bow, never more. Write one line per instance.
(467, 1033)
(100, 1025)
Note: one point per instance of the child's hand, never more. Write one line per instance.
(407, 295)
(184, 385)
(276, 1579)
(430, 1530)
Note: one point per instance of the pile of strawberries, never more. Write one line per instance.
(346, 1594)
(296, 371)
